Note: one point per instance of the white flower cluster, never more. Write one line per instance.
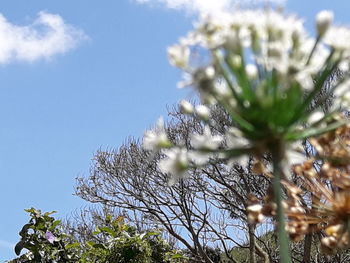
(275, 42)
(263, 70)
(178, 159)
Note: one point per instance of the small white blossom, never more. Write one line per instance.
(338, 38)
(179, 55)
(344, 66)
(236, 61)
(206, 141)
(186, 107)
(323, 21)
(222, 90)
(186, 81)
(156, 139)
(342, 88)
(344, 101)
(199, 158)
(176, 164)
(315, 117)
(241, 160)
(233, 41)
(295, 153)
(346, 96)
(305, 80)
(203, 112)
(252, 71)
(235, 139)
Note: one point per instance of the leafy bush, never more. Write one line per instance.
(45, 242)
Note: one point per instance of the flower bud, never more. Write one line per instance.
(251, 71)
(202, 112)
(186, 107)
(236, 61)
(179, 55)
(323, 20)
(315, 117)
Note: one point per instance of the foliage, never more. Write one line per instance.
(46, 242)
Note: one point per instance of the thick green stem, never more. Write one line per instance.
(277, 151)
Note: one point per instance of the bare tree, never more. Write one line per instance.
(206, 210)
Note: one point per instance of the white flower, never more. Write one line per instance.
(315, 117)
(202, 112)
(186, 81)
(186, 107)
(179, 55)
(323, 21)
(338, 38)
(344, 65)
(206, 141)
(236, 61)
(156, 139)
(235, 139)
(342, 88)
(222, 90)
(199, 158)
(176, 164)
(233, 41)
(295, 154)
(305, 80)
(251, 71)
(344, 100)
(241, 160)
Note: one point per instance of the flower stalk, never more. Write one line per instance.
(266, 72)
(277, 151)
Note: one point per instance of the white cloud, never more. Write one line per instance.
(212, 7)
(47, 36)
(6, 244)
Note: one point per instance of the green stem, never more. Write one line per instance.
(313, 49)
(277, 152)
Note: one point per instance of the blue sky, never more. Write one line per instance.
(80, 76)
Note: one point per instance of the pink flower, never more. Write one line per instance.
(50, 237)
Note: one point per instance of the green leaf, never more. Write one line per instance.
(108, 219)
(24, 230)
(176, 256)
(90, 243)
(73, 245)
(50, 213)
(55, 224)
(108, 231)
(311, 132)
(99, 246)
(149, 234)
(19, 246)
